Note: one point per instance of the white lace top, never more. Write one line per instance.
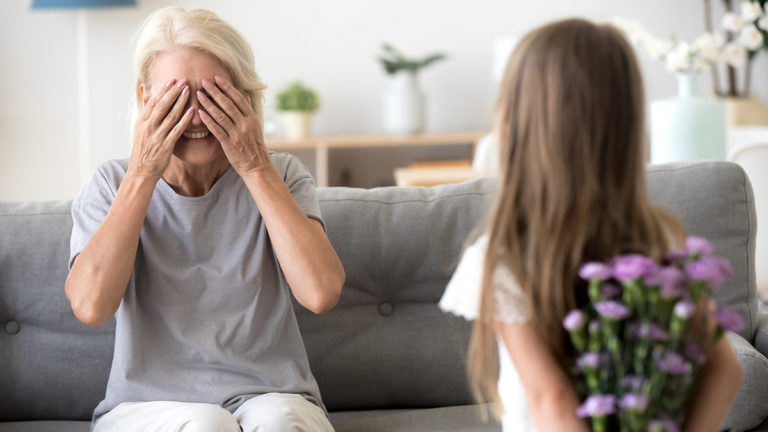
(462, 298)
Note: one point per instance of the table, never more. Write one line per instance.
(322, 144)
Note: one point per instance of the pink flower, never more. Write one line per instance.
(698, 245)
(729, 319)
(634, 402)
(595, 271)
(575, 320)
(612, 309)
(630, 267)
(668, 279)
(597, 406)
(710, 270)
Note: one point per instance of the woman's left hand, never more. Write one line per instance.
(232, 121)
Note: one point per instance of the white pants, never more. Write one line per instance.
(279, 412)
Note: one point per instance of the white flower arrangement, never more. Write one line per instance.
(745, 36)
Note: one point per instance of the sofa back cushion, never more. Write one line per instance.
(386, 345)
(53, 366)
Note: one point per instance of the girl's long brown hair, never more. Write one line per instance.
(570, 121)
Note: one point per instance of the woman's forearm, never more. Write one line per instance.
(310, 264)
(718, 383)
(100, 273)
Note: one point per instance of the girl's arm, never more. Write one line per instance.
(551, 397)
(718, 383)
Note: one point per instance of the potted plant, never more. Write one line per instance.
(750, 29)
(296, 104)
(693, 125)
(404, 101)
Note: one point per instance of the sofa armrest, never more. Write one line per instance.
(761, 334)
(750, 407)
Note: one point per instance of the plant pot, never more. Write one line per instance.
(404, 105)
(745, 111)
(687, 127)
(297, 124)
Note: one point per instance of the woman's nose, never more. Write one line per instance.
(195, 104)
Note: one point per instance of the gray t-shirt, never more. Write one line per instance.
(207, 315)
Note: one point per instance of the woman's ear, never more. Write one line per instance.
(144, 94)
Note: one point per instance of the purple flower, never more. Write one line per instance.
(698, 245)
(612, 309)
(671, 363)
(649, 331)
(663, 425)
(589, 360)
(729, 319)
(693, 352)
(633, 402)
(633, 382)
(594, 326)
(595, 271)
(575, 320)
(669, 279)
(708, 269)
(685, 309)
(725, 267)
(610, 290)
(597, 406)
(677, 256)
(629, 267)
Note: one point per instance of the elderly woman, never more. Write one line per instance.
(194, 242)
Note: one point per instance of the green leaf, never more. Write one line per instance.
(297, 97)
(394, 61)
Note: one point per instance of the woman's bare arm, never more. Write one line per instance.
(551, 397)
(718, 383)
(99, 275)
(310, 264)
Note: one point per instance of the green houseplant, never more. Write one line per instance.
(297, 103)
(404, 103)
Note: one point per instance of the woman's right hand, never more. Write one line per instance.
(159, 125)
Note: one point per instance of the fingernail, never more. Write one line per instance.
(206, 83)
(218, 79)
(170, 82)
(190, 110)
(181, 83)
(185, 91)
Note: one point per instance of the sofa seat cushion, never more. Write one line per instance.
(466, 418)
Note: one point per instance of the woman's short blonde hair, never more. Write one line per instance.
(173, 28)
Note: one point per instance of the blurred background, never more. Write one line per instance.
(47, 151)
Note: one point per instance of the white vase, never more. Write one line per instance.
(689, 126)
(404, 105)
(296, 124)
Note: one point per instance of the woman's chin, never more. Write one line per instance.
(198, 151)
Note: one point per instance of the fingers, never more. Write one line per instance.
(150, 102)
(223, 101)
(166, 102)
(214, 127)
(243, 104)
(176, 112)
(214, 112)
(180, 127)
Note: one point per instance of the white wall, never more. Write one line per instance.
(329, 44)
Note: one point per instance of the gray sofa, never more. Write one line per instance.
(386, 358)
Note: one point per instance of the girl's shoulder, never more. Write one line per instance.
(463, 292)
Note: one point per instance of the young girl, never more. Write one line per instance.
(571, 127)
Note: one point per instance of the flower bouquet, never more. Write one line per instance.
(644, 336)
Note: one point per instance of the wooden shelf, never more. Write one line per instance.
(360, 141)
(322, 144)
